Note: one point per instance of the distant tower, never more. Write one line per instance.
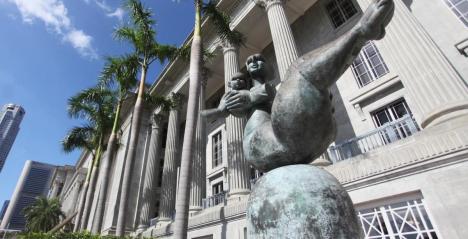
(10, 119)
(34, 181)
(4, 208)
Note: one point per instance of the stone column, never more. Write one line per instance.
(55, 187)
(436, 92)
(76, 194)
(238, 168)
(171, 161)
(281, 34)
(151, 173)
(198, 183)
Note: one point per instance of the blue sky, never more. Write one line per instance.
(50, 50)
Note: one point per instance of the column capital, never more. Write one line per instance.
(156, 120)
(228, 46)
(177, 99)
(265, 4)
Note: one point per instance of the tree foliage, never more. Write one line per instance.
(222, 22)
(141, 35)
(43, 214)
(63, 235)
(96, 106)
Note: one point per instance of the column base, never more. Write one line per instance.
(163, 221)
(141, 228)
(194, 209)
(321, 162)
(445, 114)
(238, 195)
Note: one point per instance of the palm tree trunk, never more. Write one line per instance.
(76, 227)
(183, 194)
(134, 133)
(105, 170)
(92, 186)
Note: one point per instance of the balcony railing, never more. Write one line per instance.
(214, 200)
(379, 137)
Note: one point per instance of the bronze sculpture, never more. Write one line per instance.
(290, 127)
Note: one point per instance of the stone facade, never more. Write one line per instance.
(401, 149)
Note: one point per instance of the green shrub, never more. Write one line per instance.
(81, 235)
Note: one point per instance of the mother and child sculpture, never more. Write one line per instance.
(290, 127)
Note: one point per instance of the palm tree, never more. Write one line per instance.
(221, 22)
(142, 37)
(183, 193)
(43, 214)
(96, 106)
(80, 137)
(121, 71)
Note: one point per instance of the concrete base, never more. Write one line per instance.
(301, 201)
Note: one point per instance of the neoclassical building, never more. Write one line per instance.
(401, 149)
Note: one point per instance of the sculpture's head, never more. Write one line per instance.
(256, 66)
(238, 82)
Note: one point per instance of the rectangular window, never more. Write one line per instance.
(217, 188)
(407, 219)
(217, 149)
(368, 65)
(395, 121)
(340, 11)
(391, 112)
(460, 9)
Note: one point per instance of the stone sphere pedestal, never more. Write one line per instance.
(301, 201)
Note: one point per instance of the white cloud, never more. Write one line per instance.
(81, 42)
(102, 4)
(54, 15)
(118, 13)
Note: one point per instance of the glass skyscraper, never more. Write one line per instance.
(34, 181)
(10, 120)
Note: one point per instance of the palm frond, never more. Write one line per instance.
(121, 70)
(184, 53)
(96, 106)
(140, 15)
(81, 137)
(222, 21)
(86, 104)
(126, 33)
(164, 52)
(157, 101)
(43, 214)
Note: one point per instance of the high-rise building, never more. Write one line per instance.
(34, 181)
(10, 120)
(4, 208)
